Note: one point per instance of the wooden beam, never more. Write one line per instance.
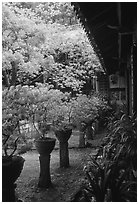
(101, 13)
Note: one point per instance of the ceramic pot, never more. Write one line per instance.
(11, 170)
(45, 145)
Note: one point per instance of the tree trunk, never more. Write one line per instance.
(82, 139)
(64, 154)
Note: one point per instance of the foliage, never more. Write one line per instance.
(56, 12)
(49, 107)
(86, 109)
(105, 111)
(121, 142)
(44, 106)
(108, 181)
(112, 173)
(43, 43)
(47, 12)
(61, 116)
(14, 110)
(41, 105)
(21, 42)
(22, 39)
(75, 61)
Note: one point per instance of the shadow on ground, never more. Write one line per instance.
(65, 181)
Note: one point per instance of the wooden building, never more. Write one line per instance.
(111, 28)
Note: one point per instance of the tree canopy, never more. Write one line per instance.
(44, 42)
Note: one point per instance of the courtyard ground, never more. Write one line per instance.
(65, 181)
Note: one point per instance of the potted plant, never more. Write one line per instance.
(52, 108)
(62, 125)
(12, 162)
(40, 104)
(84, 114)
(44, 146)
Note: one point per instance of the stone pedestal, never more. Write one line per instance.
(64, 154)
(63, 137)
(11, 170)
(44, 178)
(8, 193)
(45, 147)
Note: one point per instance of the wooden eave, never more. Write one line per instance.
(109, 27)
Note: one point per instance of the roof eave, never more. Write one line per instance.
(89, 34)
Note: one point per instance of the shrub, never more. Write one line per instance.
(112, 173)
(87, 109)
(14, 110)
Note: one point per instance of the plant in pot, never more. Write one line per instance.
(41, 121)
(61, 113)
(85, 113)
(40, 105)
(12, 162)
(39, 100)
(44, 146)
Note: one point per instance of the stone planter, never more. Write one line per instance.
(63, 137)
(11, 170)
(45, 146)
